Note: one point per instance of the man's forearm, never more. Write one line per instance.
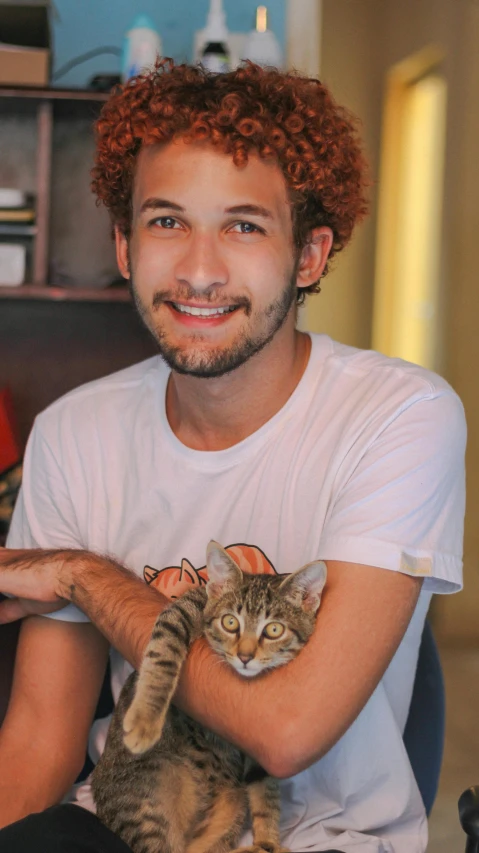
(121, 605)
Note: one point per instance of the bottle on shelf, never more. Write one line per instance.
(141, 47)
(216, 55)
(261, 45)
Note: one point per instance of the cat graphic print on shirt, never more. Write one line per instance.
(173, 581)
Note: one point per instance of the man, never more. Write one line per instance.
(228, 195)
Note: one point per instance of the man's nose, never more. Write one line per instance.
(202, 266)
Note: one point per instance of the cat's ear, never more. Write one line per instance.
(222, 571)
(304, 586)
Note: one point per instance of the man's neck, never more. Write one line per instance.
(213, 414)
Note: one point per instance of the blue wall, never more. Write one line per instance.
(82, 25)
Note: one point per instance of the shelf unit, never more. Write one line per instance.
(65, 294)
(39, 288)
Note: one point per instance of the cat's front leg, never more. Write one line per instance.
(174, 631)
(264, 805)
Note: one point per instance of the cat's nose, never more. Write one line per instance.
(245, 658)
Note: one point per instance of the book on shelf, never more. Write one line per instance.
(15, 214)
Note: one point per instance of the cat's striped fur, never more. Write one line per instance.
(164, 783)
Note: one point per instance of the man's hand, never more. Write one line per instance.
(118, 602)
(34, 580)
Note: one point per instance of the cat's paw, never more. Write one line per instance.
(142, 728)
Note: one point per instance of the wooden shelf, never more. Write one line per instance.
(52, 94)
(49, 104)
(66, 294)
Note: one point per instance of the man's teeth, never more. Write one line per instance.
(202, 312)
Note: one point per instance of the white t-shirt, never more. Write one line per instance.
(364, 463)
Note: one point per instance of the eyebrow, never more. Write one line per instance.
(250, 210)
(160, 204)
(238, 209)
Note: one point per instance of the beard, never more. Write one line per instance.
(217, 361)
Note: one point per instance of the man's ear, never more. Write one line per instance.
(314, 256)
(122, 257)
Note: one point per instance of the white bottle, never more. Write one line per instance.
(261, 45)
(215, 55)
(141, 47)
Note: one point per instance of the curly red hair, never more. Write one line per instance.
(282, 116)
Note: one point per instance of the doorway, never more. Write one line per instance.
(406, 318)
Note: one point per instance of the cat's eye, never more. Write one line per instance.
(230, 623)
(273, 630)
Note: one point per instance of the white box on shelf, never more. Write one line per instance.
(13, 259)
(12, 198)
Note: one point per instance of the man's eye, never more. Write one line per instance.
(248, 228)
(164, 222)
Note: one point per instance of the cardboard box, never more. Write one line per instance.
(25, 43)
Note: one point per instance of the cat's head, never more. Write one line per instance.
(257, 622)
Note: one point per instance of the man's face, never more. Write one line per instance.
(211, 255)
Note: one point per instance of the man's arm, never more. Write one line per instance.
(291, 717)
(286, 719)
(59, 669)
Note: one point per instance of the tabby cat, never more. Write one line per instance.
(164, 783)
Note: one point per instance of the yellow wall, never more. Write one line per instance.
(343, 309)
(361, 40)
(461, 338)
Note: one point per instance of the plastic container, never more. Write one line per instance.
(12, 198)
(141, 48)
(261, 45)
(13, 261)
(216, 55)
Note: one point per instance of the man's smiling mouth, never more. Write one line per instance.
(203, 312)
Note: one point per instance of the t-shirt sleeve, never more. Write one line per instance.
(402, 508)
(44, 515)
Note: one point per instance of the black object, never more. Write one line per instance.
(216, 57)
(58, 829)
(216, 47)
(469, 816)
(25, 24)
(104, 82)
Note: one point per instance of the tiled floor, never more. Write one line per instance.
(461, 753)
